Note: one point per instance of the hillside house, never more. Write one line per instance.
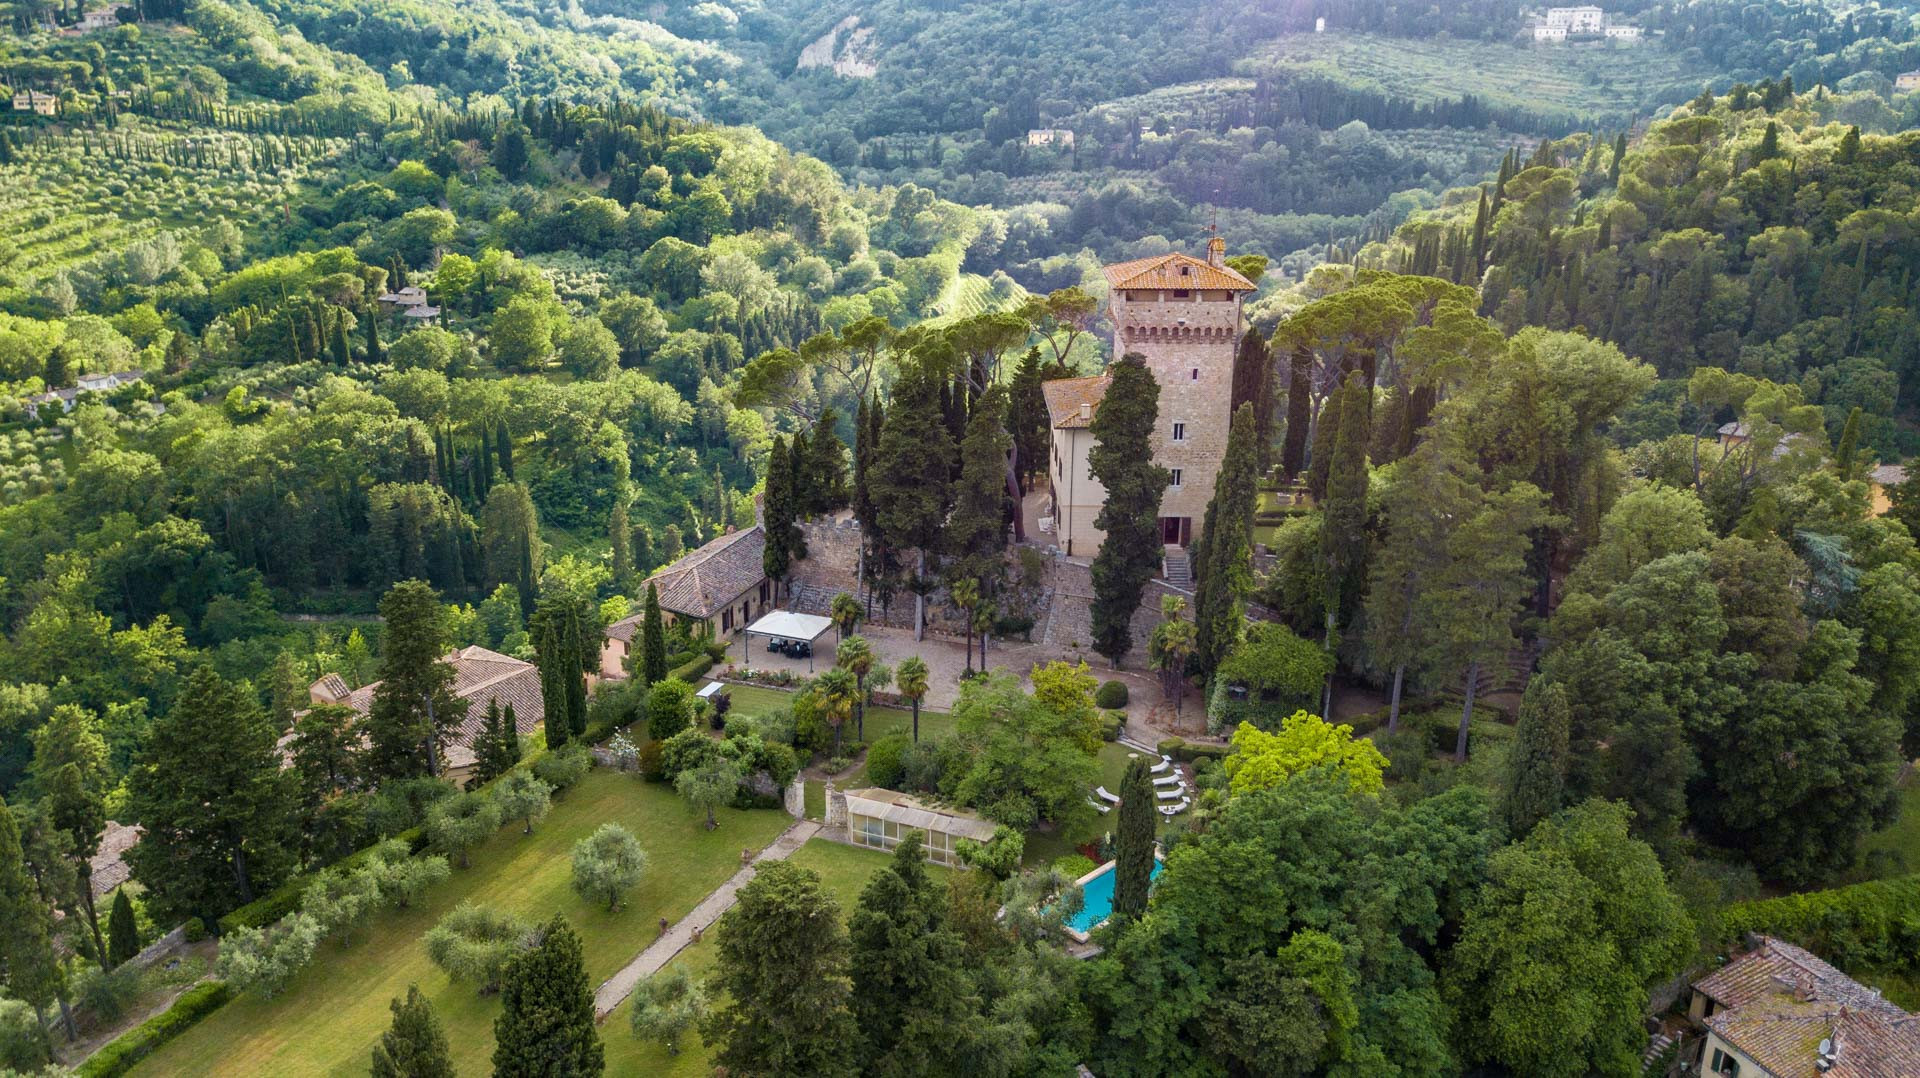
(715, 591)
(87, 383)
(1778, 1011)
(1882, 479)
(406, 298)
(1907, 80)
(1183, 315)
(480, 677)
(98, 19)
(36, 102)
(1050, 136)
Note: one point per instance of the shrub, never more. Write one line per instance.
(837, 764)
(1111, 725)
(196, 929)
(1112, 694)
(921, 766)
(475, 942)
(669, 708)
(886, 760)
(262, 961)
(684, 751)
(999, 855)
(653, 762)
(119, 1056)
(1193, 751)
(404, 804)
(22, 1044)
(1073, 866)
(108, 994)
(691, 670)
(564, 767)
(812, 734)
(666, 1006)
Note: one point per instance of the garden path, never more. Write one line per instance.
(657, 954)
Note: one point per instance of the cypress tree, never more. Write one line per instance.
(789, 1016)
(671, 545)
(784, 543)
(642, 548)
(1326, 431)
(375, 353)
(1843, 457)
(1343, 536)
(503, 448)
(178, 357)
(1537, 767)
(415, 1046)
(546, 1025)
(912, 987)
(1293, 450)
(1226, 548)
(1027, 418)
(29, 968)
(1133, 842)
(801, 496)
(497, 748)
(342, 352)
(1122, 460)
(828, 465)
(653, 640)
(976, 530)
(912, 478)
(123, 930)
(559, 626)
(414, 706)
(619, 538)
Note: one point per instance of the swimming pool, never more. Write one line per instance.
(1096, 892)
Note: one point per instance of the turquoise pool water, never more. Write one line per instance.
(1097, 894)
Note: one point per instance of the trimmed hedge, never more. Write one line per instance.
(1111, 695)
(119, 1055)
(1866, 926)
(1111, 723)
(271, 907)
(697, 667)
(1193, 751)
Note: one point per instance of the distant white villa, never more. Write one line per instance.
(88, 383)
(1561, 23)
(1907, 80)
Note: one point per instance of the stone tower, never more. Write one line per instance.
(1183, 315)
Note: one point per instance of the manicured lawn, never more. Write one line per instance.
(1895, 850)
(327, 1020)
(1045, 847)
(881, 721)
(844, 870)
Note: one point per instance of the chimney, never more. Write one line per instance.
(1217, 252)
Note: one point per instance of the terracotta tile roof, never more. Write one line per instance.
(626, 628)
(1778, 1002)
(705, 581)
(330, 687)
(1889, 475)
(1174, 271)
(108, 868)
(479, 675)
(1066, 395)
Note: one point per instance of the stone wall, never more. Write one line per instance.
(796, 798)
(1070, 621)
(836, 809)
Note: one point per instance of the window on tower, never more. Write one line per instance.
(1196, 375)
(1179, 432)
(1173, 477)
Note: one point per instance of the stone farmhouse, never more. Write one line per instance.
(1183, 314)
(1907, 80)
(716, 589)
(1778, 1011)
(88, 383)
(36, 102)
(480, 677)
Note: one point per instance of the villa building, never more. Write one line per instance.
(1778, 1011)
(480, 677)
(1586, 21)
(1183, 316)
(1907, 80)
(714, 591)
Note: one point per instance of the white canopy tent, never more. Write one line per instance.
(784, 625)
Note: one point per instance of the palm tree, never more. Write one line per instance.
(1173, 641)
(965, 594)
(855, 656)
(836, 691)
(911, 679)
(845, 612)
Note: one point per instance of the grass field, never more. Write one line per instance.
(326, 1022)
(1578, 80)
(844, 870)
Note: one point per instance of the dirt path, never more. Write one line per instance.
(650, 961)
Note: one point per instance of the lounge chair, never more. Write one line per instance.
(1169, 780)
(1173, 810)
(1162, 767)
(1105, 796)
(1100, 806)
(1174, 794)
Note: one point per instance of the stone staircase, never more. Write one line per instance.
(1655, 1060)
(1178, 568)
